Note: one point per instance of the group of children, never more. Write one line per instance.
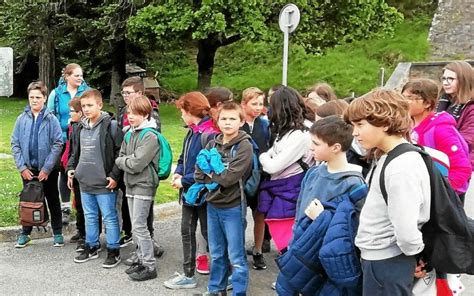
(314, 153)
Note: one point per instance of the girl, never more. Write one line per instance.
(456, 98)
(258, 128)
(286, 162)
(36, 147)
(71, 84)
(195, 111)
(438, 131)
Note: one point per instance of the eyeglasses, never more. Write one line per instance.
(127, 93)
(73, 111)
(448, 80)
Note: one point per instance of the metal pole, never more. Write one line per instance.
(382, 76)
(285, 58)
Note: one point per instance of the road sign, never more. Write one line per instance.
(6, 71)
(288, 21)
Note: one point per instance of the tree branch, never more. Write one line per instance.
(231, 40)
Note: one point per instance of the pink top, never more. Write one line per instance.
(438, 131)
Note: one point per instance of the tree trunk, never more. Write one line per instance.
(118, 73)
(205, 60)
(46, 63)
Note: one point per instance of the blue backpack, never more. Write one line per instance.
(253, 181)
(166, 156)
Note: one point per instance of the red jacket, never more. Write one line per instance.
(438, 131)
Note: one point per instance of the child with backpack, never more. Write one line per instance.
(389, 235)
(138, 159)
(36, 147)
(226, 205)
(195, 112)
(328, 185)
(95, 144)
(258, 128)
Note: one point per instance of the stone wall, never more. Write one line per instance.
(452, 30)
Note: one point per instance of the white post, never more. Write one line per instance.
(286, 36)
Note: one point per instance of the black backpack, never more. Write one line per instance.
(449, 234)
(32, 208)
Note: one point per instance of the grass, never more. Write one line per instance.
(10, 182)
(352, 67)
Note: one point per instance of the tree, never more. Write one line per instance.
(209, 25)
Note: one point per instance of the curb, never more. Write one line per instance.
(162, 212)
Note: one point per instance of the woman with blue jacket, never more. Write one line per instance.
(36, 147)
(70, 85)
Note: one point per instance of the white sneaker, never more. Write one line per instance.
(180, 281)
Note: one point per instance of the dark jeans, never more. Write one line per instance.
(189, 218)
(51, 193)
(389, 277)
(126, 221)
(80, 222)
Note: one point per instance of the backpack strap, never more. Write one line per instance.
(397, 151)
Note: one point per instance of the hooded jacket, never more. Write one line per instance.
(110, 143)
(438, 131)
(49, 141)
(139, 159)
(228, 195)
(192, 144)
(58, 103)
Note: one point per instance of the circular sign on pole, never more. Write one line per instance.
(289, 18)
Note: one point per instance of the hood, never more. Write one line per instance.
(206, 125)
(62, 86)
(148, 123)
(85, 121)
(239, 138)
(354, 170)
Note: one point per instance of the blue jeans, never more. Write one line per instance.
(226, 238)
(91, 204)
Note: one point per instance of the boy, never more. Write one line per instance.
(133, 88)
(95, 144)
(226, 206)
(36, 147)
(331, 138)
(389, 234)
(138, 159)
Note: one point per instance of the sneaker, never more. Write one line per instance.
(266, 247)
(58, 240)
(135, 267)
(131, 260)
(180, 281)
(87, 254)
(125, 240)
(143, 274)
(81, 246)
(157, 249)
(113, 258)
(66, 213)
(23, 241)
(259, 262)
(76, 237)
(202, 264)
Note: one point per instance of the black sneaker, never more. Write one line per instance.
(76, 238)
(134, 268)
(143, 274)
(81, 246)
(113, 258)
(126, 240)
(259, 262)
(87, 254)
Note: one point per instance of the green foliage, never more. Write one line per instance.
(414, 8)
(351, 67)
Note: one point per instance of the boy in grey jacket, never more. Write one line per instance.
(138, 158)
